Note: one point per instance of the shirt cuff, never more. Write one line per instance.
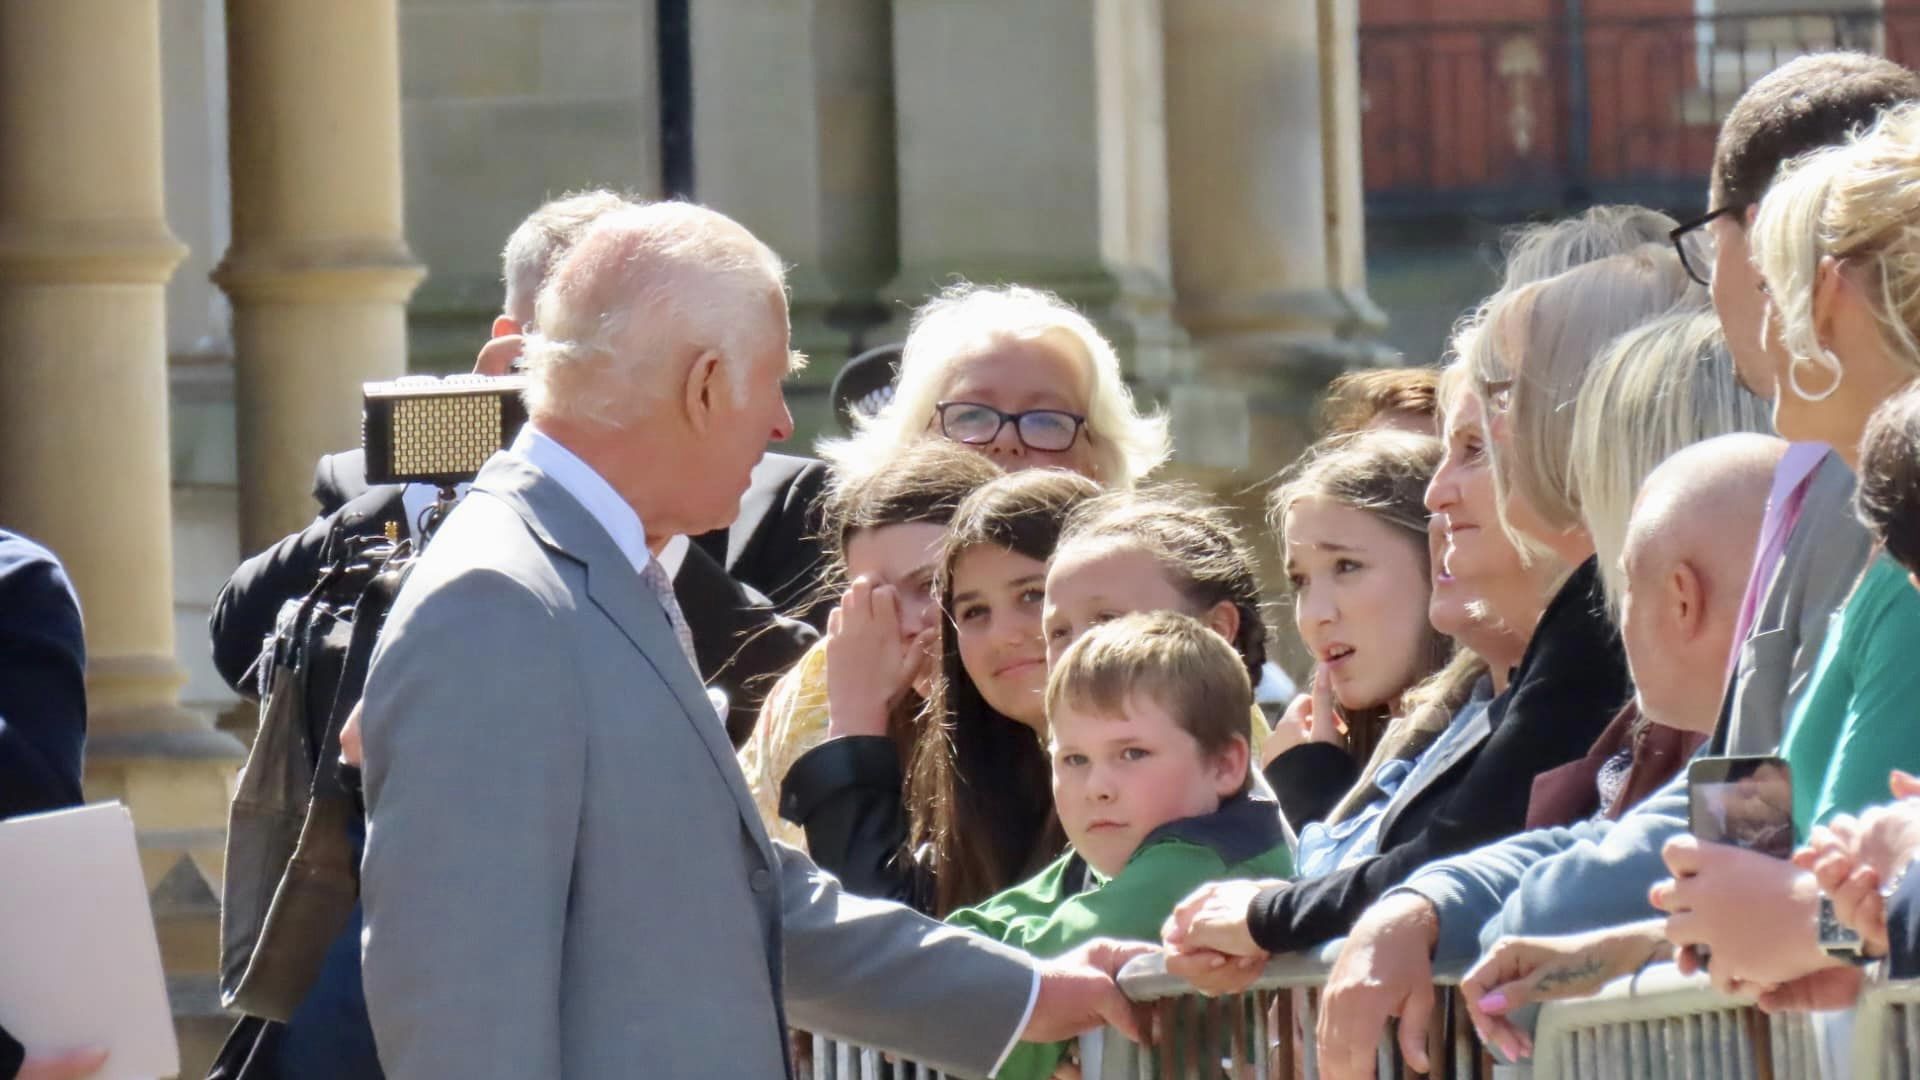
(1033, 998)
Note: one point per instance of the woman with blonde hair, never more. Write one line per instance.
(1837, 242)
(1016, 374)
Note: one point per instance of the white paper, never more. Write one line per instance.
(79, 960)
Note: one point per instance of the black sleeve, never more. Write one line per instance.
(1903, 928)
(243, 614)
(846, 794)
(1576, 685)
(1310, 781)
(43, 688)
(12, 1055)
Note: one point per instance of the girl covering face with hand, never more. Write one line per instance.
(867, 680)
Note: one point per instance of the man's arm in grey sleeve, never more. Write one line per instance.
(879, 974)
(1602, 881)
(1467, 890)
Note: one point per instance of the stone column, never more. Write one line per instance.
(1051, 171)
(319, 272)
(794, 136)
(85, 254)
(1268, 266)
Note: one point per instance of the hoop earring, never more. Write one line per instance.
(1793, 377)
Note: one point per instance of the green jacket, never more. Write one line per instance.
(1068, 904)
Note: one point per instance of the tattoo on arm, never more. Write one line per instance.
(1575, 974)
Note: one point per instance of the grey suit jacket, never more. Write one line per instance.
(1596, 873)
(565, 875)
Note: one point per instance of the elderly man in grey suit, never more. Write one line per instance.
(565, 875)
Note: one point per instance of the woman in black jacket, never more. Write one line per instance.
(1528, 362)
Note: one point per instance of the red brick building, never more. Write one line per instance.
(1503, 108)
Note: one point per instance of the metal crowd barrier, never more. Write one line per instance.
(1654, 1025)
(1660, 1024)
(1886, 1032)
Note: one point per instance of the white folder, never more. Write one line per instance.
(79, 960)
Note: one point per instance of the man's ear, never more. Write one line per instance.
(504, 325)
(1223, 618)
(1686, 599)
(703, 390)
(1229, 766)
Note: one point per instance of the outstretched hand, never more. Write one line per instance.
(1079, 992)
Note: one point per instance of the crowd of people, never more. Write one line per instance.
(987, 727)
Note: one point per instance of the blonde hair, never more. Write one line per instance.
(1657, 389)
(541, 241)
(1561, 326)
(1859, 202)
(966, 320)
(1172, 660)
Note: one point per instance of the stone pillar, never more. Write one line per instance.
(794, 136)
(85, 254)
(1052, 171)
(1269, 272)
(1268, 267)
(319, 272)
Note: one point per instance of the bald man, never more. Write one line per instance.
(1686, 557)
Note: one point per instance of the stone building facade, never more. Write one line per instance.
(217, 220)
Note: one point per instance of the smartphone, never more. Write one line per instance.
(1743, 801)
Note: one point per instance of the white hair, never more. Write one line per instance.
(643, 291)
(1859, 201)
(967, 320)
(542, 240)
(1655, 391)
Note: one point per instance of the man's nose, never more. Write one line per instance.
(782, 423)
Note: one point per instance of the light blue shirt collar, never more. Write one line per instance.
(589, 489)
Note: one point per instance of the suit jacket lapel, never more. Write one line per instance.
(564, 525)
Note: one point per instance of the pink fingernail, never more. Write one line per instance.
(1494, 1002)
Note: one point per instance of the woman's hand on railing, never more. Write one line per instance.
(1385, 970)
(1207, 939)
(1525, 971)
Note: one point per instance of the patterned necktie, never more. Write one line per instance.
(656, 578)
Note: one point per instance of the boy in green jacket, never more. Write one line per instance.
(1147, 717)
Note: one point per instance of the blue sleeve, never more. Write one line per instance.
(1879, 732)
(43, 697)
(1602, 880)
(1467, 890)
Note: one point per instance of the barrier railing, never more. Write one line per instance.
(1655, 1025)
(1886, 1032)
(1659, 1024)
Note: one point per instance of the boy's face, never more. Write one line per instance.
(1118, 778)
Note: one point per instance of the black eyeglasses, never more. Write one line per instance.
(1048, 430)
(1696, 254)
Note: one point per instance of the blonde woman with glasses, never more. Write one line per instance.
(1017, 375)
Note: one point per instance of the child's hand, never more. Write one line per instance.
(1311, 718)
(871, 666)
